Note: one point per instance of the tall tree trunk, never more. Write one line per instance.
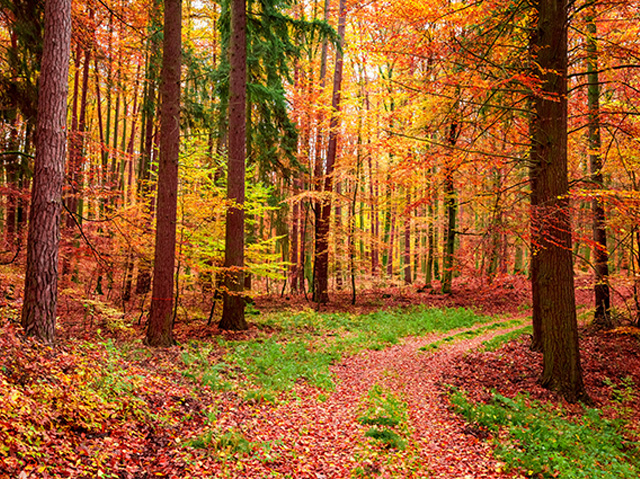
(431, 244)
(233, 307)
(375, 225)
(535, 222)
(160, 328)
(407, 240)
(602, 317)
(391, 242)
(338, 253)
(12, 171)
(321, 264)
(561, 357)
(41, 277)
(451, 209)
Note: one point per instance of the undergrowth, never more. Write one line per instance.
(496, 342)
(538, 439)
(387, 416)
(304, 346)
(467, 334)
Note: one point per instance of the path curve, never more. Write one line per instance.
(317, 435)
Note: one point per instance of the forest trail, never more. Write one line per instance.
(317, 434)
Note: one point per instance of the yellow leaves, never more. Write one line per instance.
(633, 331)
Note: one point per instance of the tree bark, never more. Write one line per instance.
(561, 356)
(535, 227)
(233, 306)
(321, 264)
(160, 328)
(407, 240)
(602, 317)
(451, 208)
(41, 277)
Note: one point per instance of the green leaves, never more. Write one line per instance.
(540, 440)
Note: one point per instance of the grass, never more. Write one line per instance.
(499, 340)
(467, 334)
(387, 416)
(539, 441)
(304, 346)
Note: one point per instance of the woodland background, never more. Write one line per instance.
(433, 131)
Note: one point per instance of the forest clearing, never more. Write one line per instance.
(319, 238)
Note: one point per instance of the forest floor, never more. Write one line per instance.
(433, 404)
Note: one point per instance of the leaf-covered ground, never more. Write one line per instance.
(101, 404)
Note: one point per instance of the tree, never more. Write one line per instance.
(233, 306)
(159, 332)
(556, 293)
(602, 317)
(41, 277)
(451, 207)
(321, 265)
(19, 101)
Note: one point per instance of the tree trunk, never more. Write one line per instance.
(407, 240)
(321, 264)
(536, 318)
(233, 306)
(294, 286)
(375, 226)
(41, 277)
(561, 357)
(391, 241)
(602, 317)
(160, 328)
(451, 209)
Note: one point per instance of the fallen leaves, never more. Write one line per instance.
(91, 408)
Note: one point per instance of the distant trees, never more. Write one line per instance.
(410, 167)
(41, 277)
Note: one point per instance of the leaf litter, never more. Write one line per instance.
(86, 409)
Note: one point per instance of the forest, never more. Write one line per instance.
(319, 238)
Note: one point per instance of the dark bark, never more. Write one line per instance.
(41, 277)
(602, 317)
(375, 225)
(233, 306)
(451, 209)
(160, 328)
(561, 356)
(431, 198)
(407, 241)
(321, 264)
(536, 319)
(390, 239)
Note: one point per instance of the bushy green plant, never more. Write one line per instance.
(277, 366)
(388, 415)
(540, 441)
(230, 442)
(387, 437)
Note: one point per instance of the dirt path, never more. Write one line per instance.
(317, 434)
